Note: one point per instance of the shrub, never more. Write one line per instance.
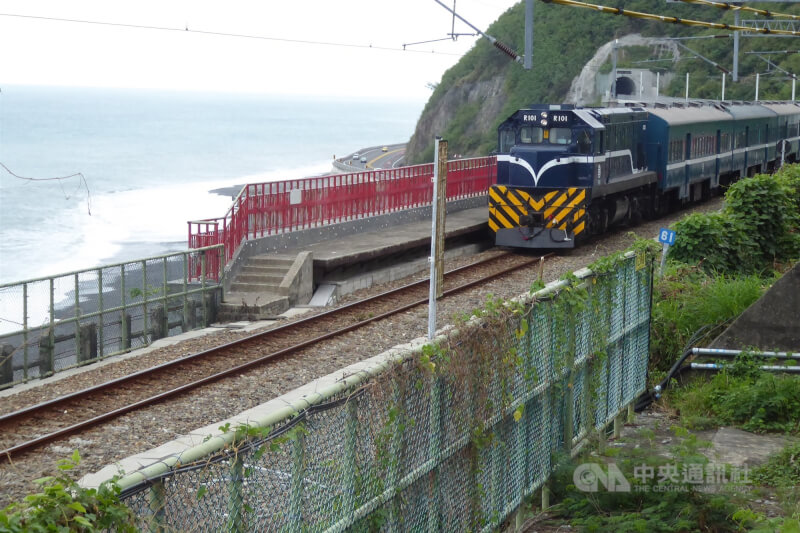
(63, 505)
(758, 226)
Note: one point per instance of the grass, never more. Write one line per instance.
(686, 299)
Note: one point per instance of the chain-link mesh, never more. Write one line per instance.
(51, 324)
(421, 449)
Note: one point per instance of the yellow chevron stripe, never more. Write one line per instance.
(535, 204)
(495, 195)
(564, 213)
(503, 220)
(513, 200)
(506, 205)
(509, 213)
(556, 204)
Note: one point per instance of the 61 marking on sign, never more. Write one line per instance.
(667, 236)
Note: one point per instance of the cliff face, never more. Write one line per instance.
(485, 87)
(475, 104)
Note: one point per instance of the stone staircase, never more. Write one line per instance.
(258, 291)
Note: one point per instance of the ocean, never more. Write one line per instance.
(150, 159)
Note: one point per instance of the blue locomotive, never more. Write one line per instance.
(565, 173)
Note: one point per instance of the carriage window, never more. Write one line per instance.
(529, 135)
(725, 142)
(560, 135)
(507, 140)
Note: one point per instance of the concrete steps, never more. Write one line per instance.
(267, 285)
(256, 284)
(251, 306)
(256, 292)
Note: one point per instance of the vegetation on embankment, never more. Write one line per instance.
(721, 263)
(486, 86)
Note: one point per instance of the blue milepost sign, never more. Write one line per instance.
(667, 236)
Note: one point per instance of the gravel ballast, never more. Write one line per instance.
(142, 430)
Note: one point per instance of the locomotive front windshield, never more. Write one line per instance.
(537, 135)
(533, 135)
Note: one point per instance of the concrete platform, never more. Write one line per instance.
(371, 245)
(364, 244)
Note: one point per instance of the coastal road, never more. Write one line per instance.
(375, 158)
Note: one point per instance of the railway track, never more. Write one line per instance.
(21, 430)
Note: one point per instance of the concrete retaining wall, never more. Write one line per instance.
(298, 284)
(772, 323)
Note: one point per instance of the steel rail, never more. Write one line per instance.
(33, 443)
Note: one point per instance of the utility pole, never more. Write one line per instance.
(614, 71)
(438, 208)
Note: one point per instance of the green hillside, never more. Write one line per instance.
(565, 38)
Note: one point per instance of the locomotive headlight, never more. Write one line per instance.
(544, 114)
(543, 122)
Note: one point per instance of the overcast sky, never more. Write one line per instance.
(49, 52)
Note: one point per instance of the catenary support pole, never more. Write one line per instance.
(757, 79)
(687, 87)
(736, 48)
(614, 71)
(528, 60)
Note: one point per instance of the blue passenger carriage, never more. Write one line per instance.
(689, 147)
(755, 138)
(787, 145)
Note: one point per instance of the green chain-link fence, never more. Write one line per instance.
(446, 437)
(54, 323)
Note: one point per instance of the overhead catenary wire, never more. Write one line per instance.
(669, 19)
(776, 67)
(734, 7)
(186, 29)
(497, 44)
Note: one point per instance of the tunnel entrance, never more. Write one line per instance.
(625, 85)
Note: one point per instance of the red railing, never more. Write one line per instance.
(280, 206)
